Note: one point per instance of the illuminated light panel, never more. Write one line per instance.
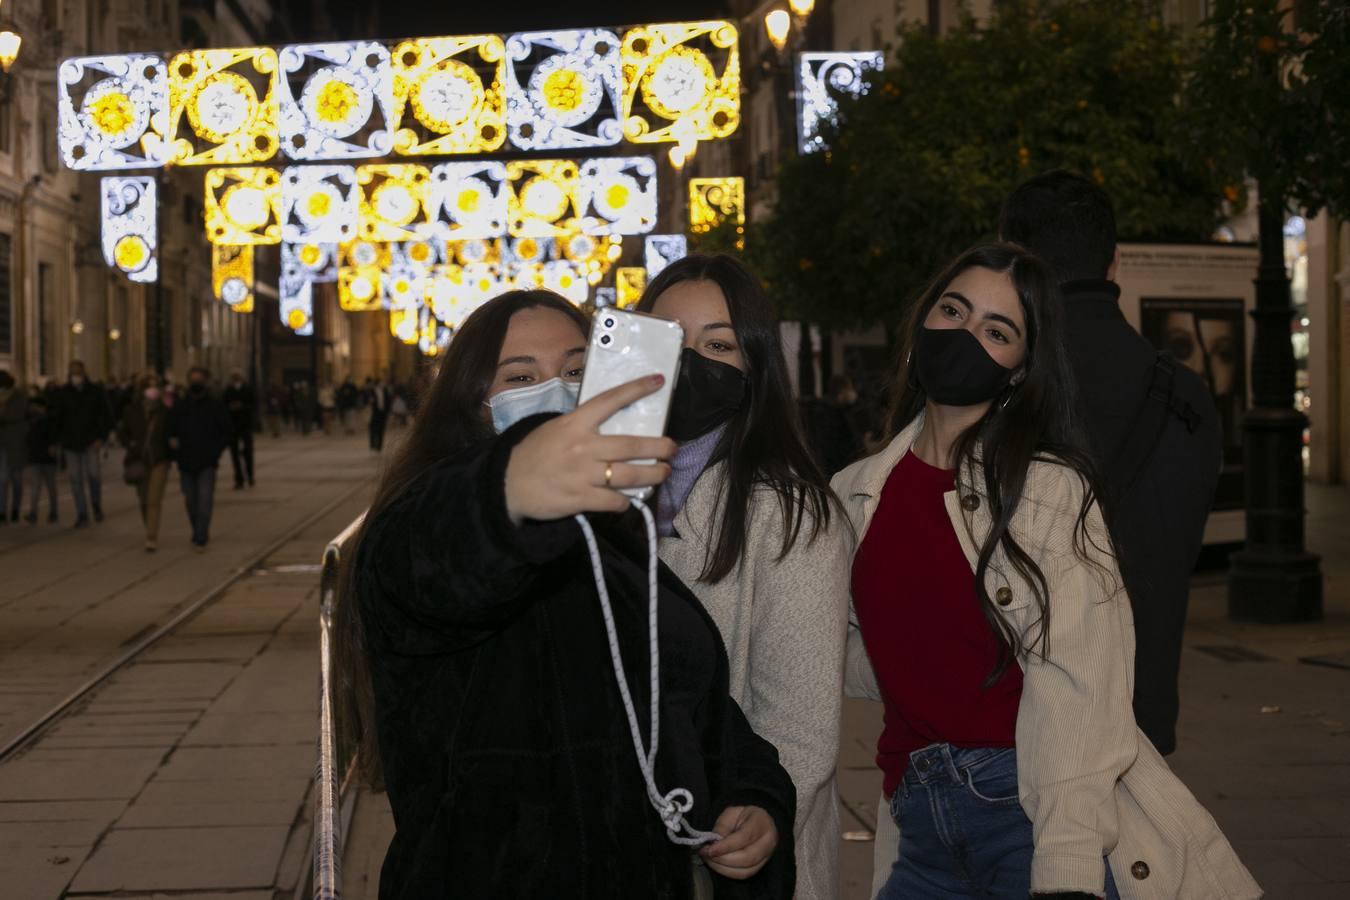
(542, 201)
(113, 112)
(605, 297)
(433, 337)
(223, 106)
(243, 206)
(617, 195)
(405, 324)
(467, 253)
(671, 88)
(593, 256)
(232, 275)
(629, 283)
(319, 204)
(565, 279)
(528, 251)
(303, 266)
(821, 79)
(660, 250)
(336, 101)
(360, 287)
(129, 226)
(394, 202)
(715, 200)
(562, 89)
(469, 200)
(444, 99)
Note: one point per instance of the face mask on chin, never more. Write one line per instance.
(954, 369)
(707, 394)
(552, 396)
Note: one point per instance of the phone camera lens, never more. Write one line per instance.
(605, 339)
(609, 323)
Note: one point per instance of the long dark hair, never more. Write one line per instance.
(763, 443)
(1034, 420)
(449, 420)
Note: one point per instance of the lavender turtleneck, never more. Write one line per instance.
(689, 462)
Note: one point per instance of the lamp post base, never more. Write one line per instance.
(1275, 588)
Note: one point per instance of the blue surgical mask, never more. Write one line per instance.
(552, 396)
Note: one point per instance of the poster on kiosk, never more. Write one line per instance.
(1193, 300)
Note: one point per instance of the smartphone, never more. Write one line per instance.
(624, 347)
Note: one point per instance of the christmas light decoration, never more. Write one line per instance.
(617, 195)
(542, 202)
(232, 275)
(303, 266)
(715, 200)
(671, 89)
(605, 297)
(129, 226)
(394, 202)
(660, 250)
(629, 283)
(469, 200)
(821, 79)
(336, 100)
(223, 106)
(113, 112)
(243, 206)
(360, 287)
(450, 106)
(562, 89)
(319, 204)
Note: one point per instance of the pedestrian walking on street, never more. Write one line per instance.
(487, 686)
(145, 434)
(1150, 422)
(327, 399)
(302, 401)
(379, 414)
(275, 404)
(984, 560)
(748, 522)
(199, 432)
(83, 420)
(242, 405)
(41, 460)
(347, 398)
(13, 446)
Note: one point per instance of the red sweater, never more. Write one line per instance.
(914, 596)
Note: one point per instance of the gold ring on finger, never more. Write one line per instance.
(609, 474)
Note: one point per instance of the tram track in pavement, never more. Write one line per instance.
(146, 639)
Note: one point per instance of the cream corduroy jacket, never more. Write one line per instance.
(783, 623)
(1089, 780)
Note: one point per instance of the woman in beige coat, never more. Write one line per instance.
(748, 522)
(1028, 773)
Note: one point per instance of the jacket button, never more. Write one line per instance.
(1003, 596)
(1139, 870)
(970, 502)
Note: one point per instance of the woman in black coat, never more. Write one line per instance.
(472, 639)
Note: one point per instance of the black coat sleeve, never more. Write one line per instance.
(443, 567)
(760, 780)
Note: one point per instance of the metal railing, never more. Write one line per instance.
(337, 760)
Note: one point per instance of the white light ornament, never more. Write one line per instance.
(606, 297)
(562, 89)
(337, 101)
(616, 195)
(469, 201)
(129, 226)
(660, 250)
(319, 204)
(822, 78)
(113, 112)
(303, 266)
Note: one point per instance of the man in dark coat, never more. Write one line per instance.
(1151, 424)
(242, 405)
(347, 397)
(82, 421)
(199, 431)
(381, 396)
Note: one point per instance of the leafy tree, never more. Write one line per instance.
(919, 165)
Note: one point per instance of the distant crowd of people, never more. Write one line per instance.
(73, 426)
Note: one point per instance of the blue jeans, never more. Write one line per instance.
(963, 831)
(199, 490)
(85, 466)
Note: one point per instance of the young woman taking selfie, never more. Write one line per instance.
(472, 639)
(746, 521)
(992, 625)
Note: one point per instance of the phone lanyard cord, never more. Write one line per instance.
(672, 805)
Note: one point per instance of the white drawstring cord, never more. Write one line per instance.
(672, 805)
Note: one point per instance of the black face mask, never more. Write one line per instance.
(954, 369)
(707, 393)
(196, 387)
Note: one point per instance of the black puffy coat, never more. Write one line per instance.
(1157, 520)
(200, 427)
(80, 415)
(505, 747)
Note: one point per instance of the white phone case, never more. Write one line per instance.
(624, 347)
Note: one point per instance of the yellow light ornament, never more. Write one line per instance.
(715, 200)
(542, 198)
(629, 283)
(243, 206)
(232, 276)
(453, 109)
(671, 88)
(777, 24)
(394, 201)
(216, 111)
